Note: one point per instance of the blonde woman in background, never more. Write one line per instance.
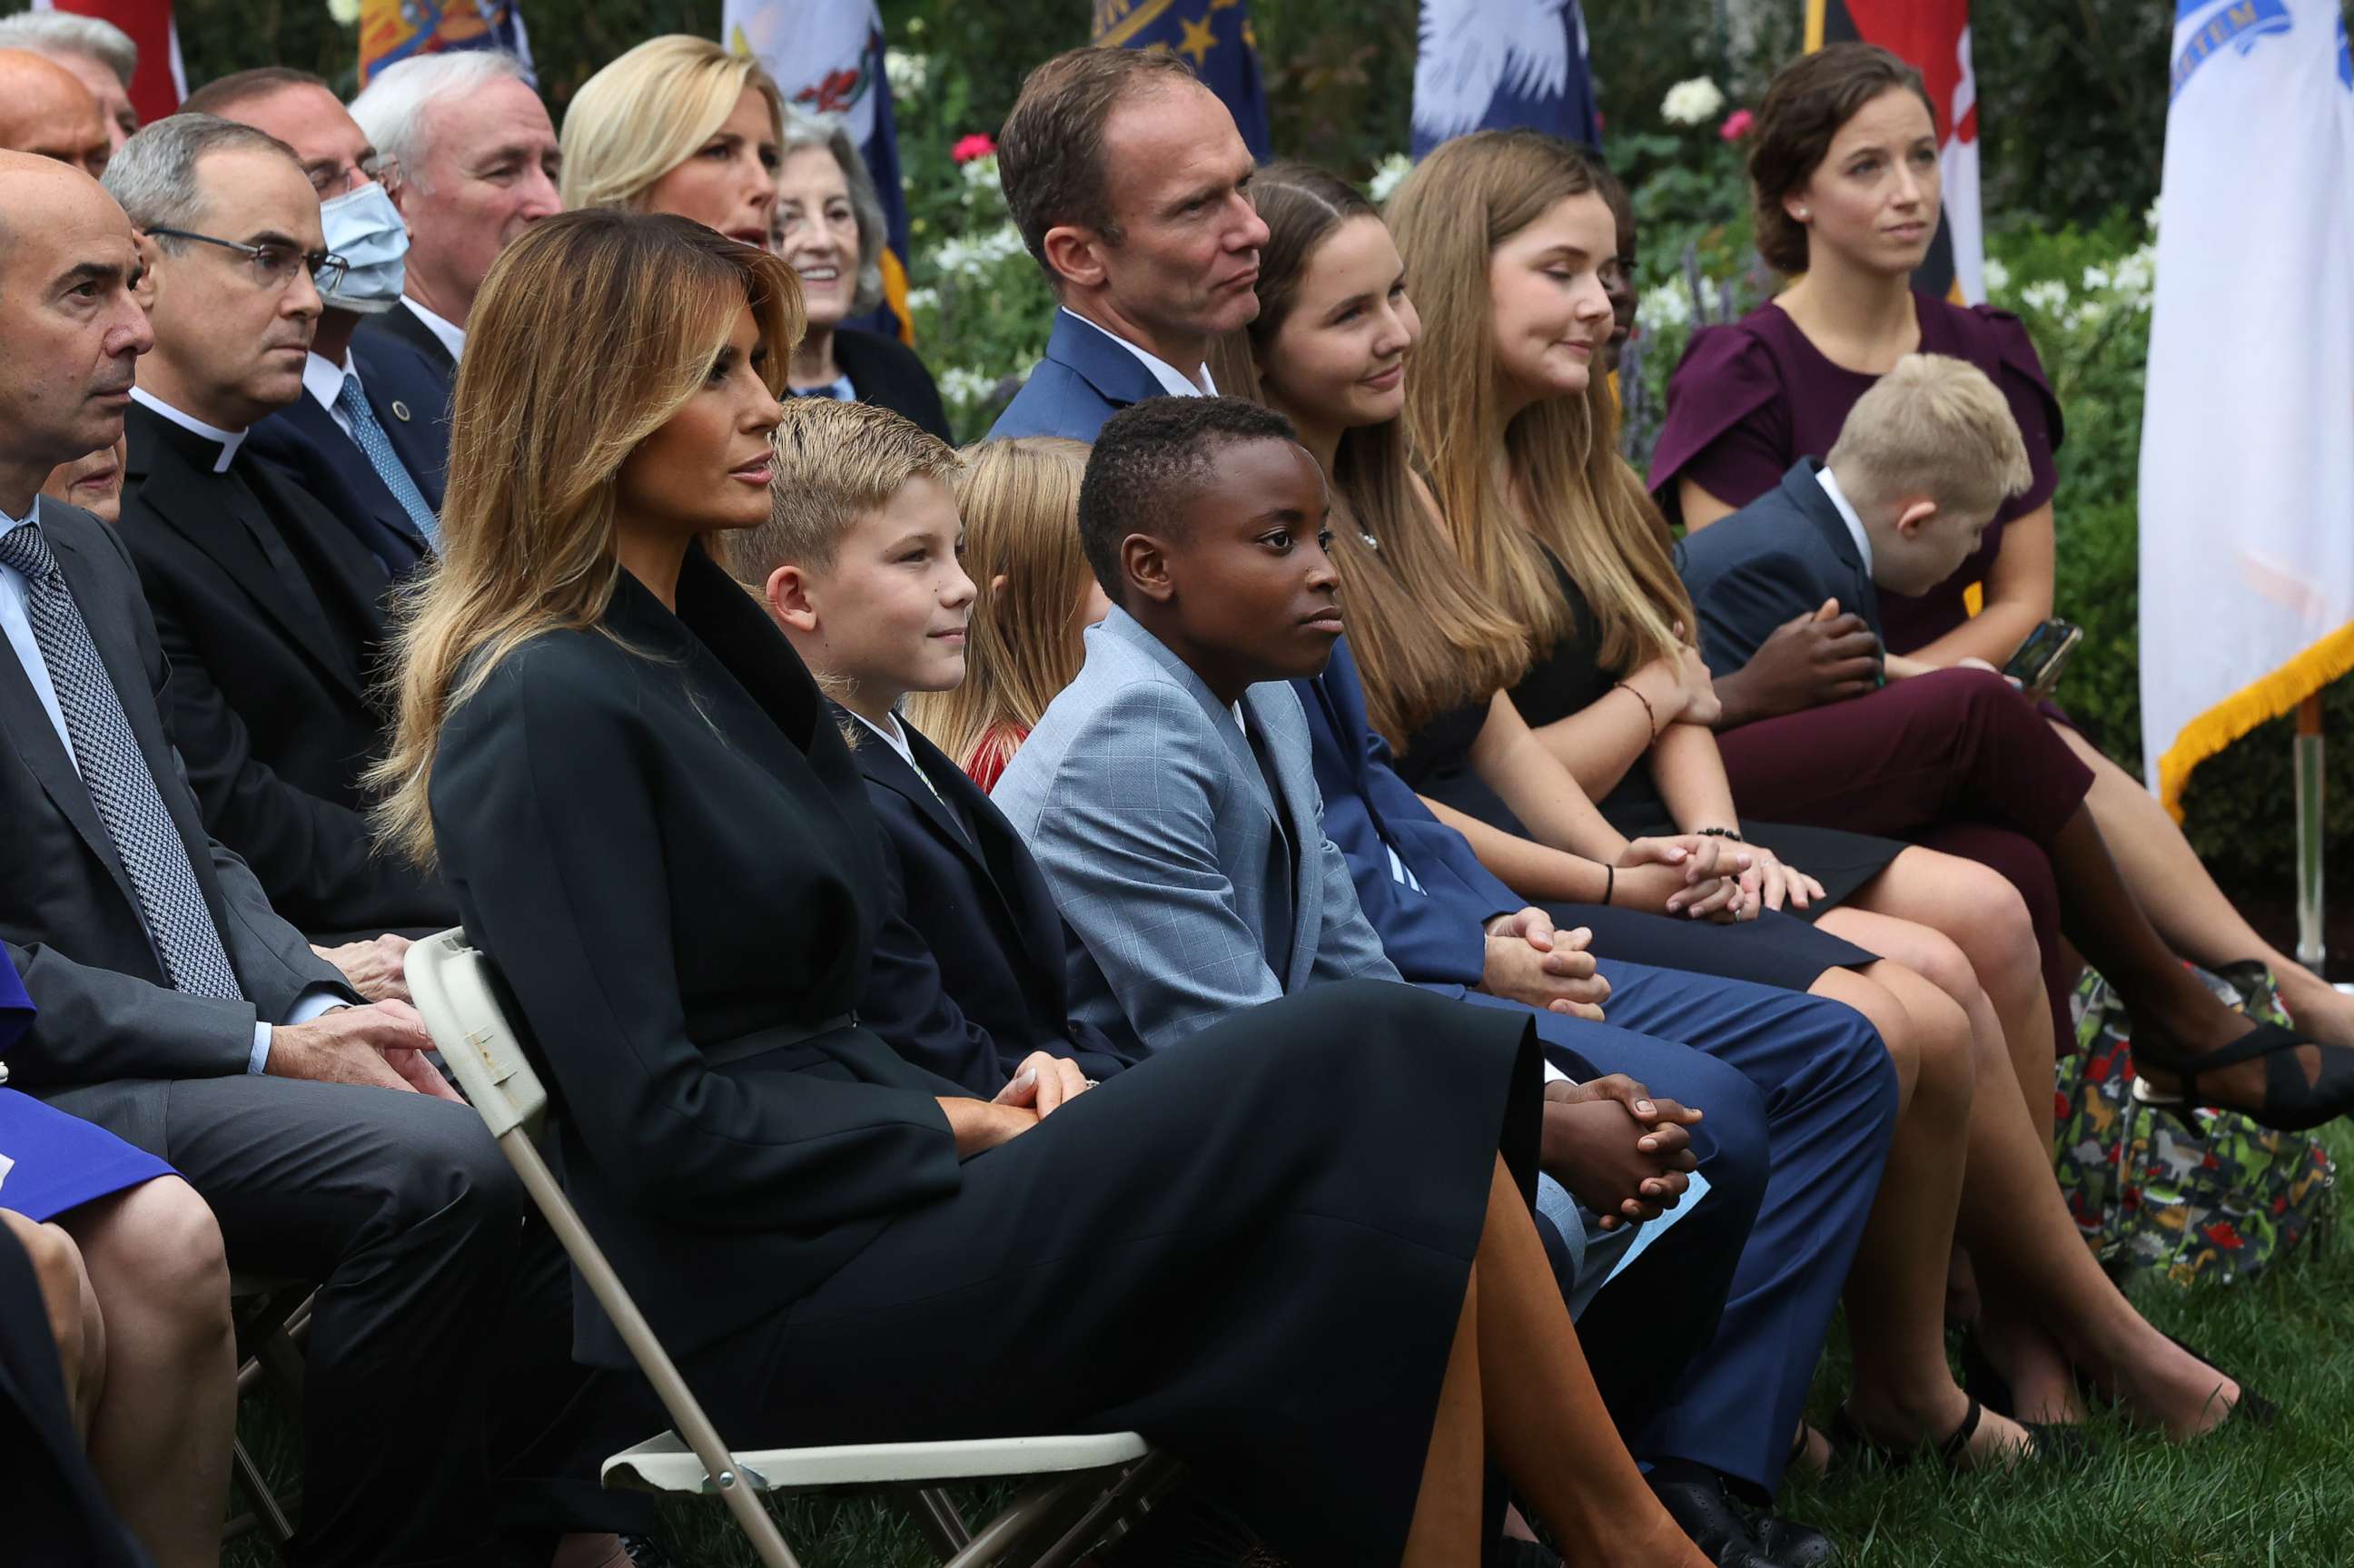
(1020, 503)
(678, 125)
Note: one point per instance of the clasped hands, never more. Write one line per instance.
(1620, 1150)
(1043, 1085)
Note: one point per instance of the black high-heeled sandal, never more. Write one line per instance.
(2046, 1445)
(2290, 1104)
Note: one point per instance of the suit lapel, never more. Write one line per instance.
(1021, 889)
(318, 426)
(885, 766)
(1091, 353)
(1806, 493)
(1293, 803)
(220, 517)
(36, 742)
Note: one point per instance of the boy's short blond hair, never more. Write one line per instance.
(835, 463)
(1933, 427)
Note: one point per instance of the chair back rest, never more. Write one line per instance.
(456, 991)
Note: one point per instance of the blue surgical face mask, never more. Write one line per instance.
(364, 227)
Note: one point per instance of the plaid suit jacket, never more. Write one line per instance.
(1146, 809)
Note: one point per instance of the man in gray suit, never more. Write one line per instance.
(180, 1013)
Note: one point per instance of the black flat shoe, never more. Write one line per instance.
(2290, 1104)
(2251, 1408)
(2047, 1444)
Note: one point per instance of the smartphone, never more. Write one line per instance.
(2037, 665)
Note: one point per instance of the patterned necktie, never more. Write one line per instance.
(377, 446)
(120, 784)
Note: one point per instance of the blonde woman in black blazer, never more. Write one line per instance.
(1296, 1252)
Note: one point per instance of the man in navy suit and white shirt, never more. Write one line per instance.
(369, 439)
(478, 161)
(1131, 185)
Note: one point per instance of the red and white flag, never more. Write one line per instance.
(162, 83)
(1932, 36)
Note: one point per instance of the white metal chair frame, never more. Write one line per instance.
(1090, 1489)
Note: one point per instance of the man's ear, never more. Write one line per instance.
(787, 593)
(151, 251)
(1075, 255)
(1144, 569)
(1915, 517)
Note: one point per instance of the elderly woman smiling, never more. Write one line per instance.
(828, 225)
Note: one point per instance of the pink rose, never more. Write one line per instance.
(1736, 125)
(975, 146)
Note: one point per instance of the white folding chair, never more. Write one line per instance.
(1088, 1489)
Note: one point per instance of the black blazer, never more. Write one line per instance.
(411, 401)
(968, 977)
(269, 614)
(108, 1014)
(657, 835)
(886, 372)
(1777, 558)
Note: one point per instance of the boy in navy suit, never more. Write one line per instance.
(859, 566)
(1924, 461)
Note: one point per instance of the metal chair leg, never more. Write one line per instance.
(936, 1520)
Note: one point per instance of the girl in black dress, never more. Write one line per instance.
(1506, 233)
(1298, 1254)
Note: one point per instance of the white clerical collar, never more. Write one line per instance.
(1173, 381)
(1847, 514)
(227, 440)
(452, 335)
(323, 378)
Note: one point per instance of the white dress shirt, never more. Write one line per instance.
(227, 440)
(894, 737)
(452, 335)
(16, 623)
(1848, 515)
(323, 378)
(1173, 381)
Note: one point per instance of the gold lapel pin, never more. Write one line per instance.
(401, 410)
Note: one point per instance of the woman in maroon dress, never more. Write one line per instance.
(1844, 173)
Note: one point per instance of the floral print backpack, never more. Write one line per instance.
(2190, 1194)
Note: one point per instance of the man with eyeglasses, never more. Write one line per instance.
(175, 1008)
(268, 607)
(371, 440)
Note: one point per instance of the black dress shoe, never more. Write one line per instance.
(1719, 1526)
(1790, 1543)
(644, 1552)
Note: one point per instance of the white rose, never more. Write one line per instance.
(1666, 307)
(906, 71)
(1997, 276)
(1388, 174)
(1692, 102)
(344, 13)
(2048, 297)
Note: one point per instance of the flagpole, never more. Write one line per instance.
(2312, 943)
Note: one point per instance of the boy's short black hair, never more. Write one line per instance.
(1149, 460)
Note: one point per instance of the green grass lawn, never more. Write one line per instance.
(2258, 1498)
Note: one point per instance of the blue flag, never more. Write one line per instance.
(1496, 64)
(1214, 36)
(827, 58)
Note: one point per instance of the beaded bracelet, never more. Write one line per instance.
(1720, 833)
(1650, 715)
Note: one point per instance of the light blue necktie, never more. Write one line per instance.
(377, 446)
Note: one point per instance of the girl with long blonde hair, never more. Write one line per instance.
(1506, 234)
(1020, 503)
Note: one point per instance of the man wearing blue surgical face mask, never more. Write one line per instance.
(370, 439)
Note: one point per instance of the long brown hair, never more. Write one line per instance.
(1020, 503)
(1424, 638)
(1460, 203)
(527, 522)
